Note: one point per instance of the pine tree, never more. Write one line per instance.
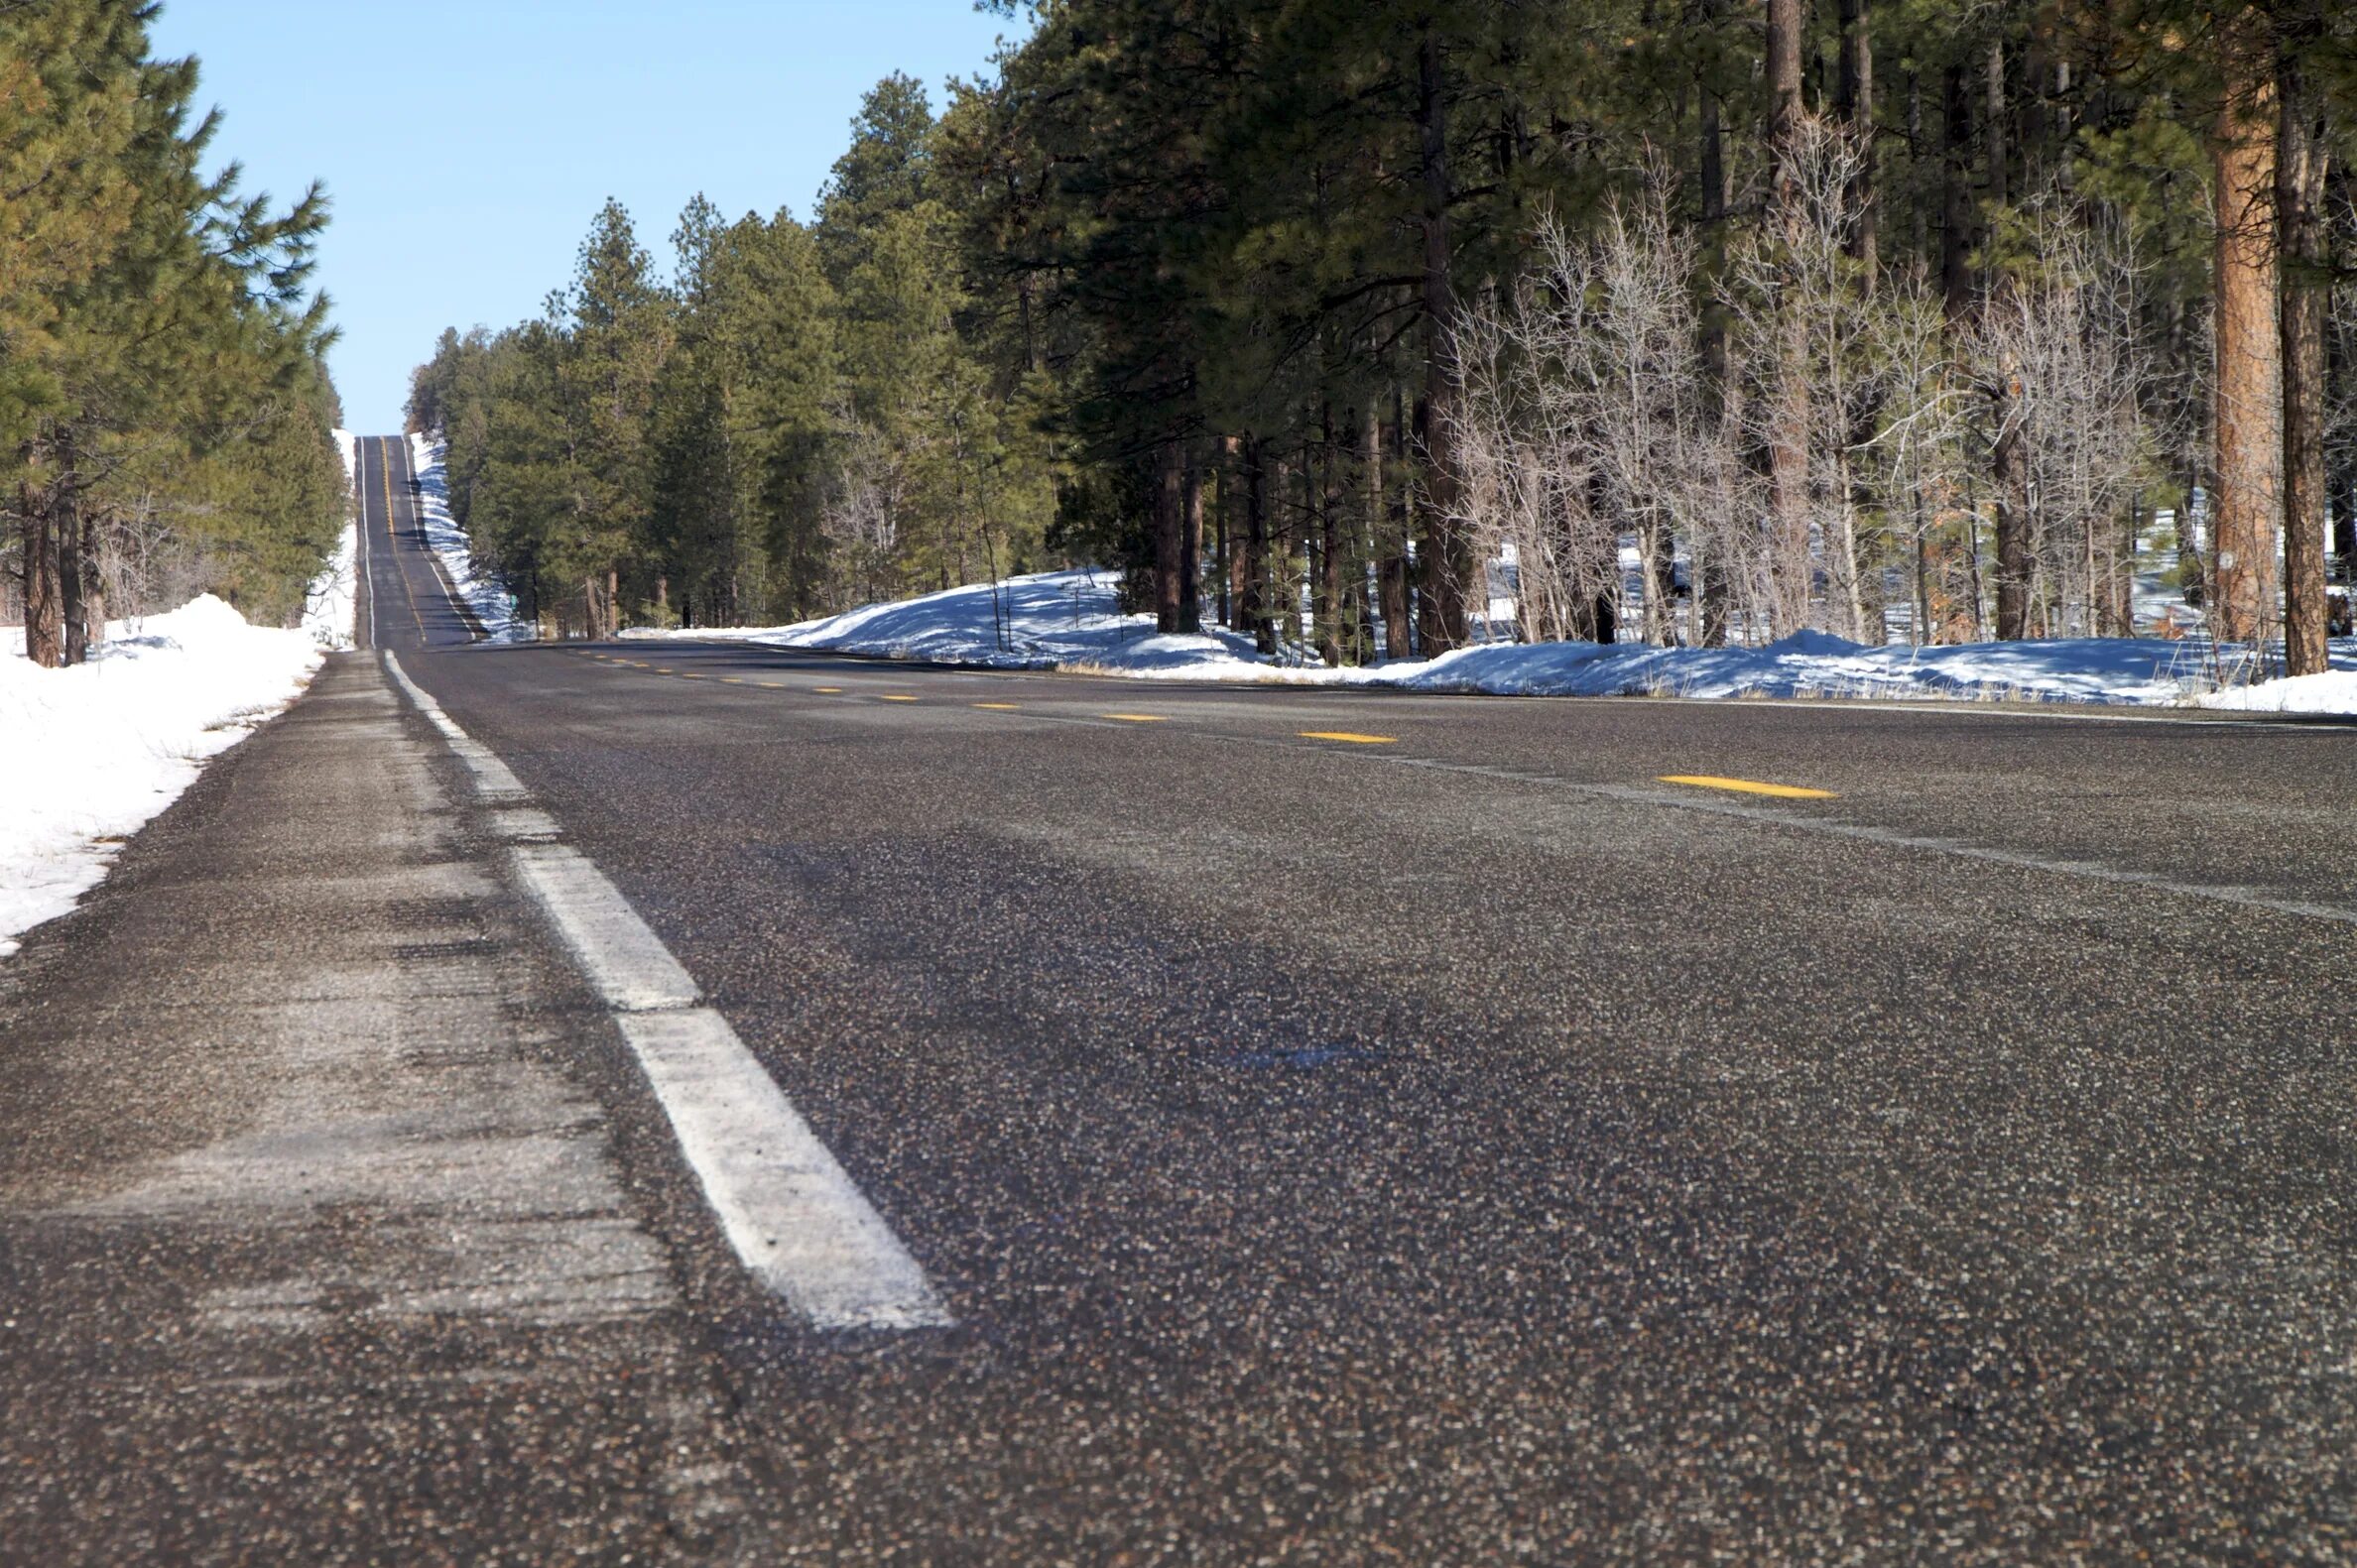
(617, 337)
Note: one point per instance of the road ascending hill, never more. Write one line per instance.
(1329, 1125)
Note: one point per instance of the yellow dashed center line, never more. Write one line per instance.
(1134, 718)
(895, 696)
(730, 680)
(1749, 787)
(996, 707)
(774, 686)
(1349, 737)
(829, 692)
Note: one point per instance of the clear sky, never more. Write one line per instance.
(467, 146)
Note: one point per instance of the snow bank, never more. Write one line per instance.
(490, 603)
(2334, 692)
(330, 605)
(98, 749)
(332, 601)
(1069, 620)
(1814, 664)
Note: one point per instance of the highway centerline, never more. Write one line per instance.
(2248, 898)
(1781, 791)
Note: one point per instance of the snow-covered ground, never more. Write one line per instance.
(100, 748)
(104, 746)
(2334, 692)
(490, 603)
(1069, 620)
(330, 604)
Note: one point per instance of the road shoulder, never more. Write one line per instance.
(310, 1243)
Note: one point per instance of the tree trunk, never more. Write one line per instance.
(2014, 562)
(1712, 587)
(1855, 102)
(93, 577)
(2344, 527)
(1325, 594)
(2016, 559)
(2248, 385)
(2299, 201)
(1190, 547)
(1993, 85)
(67, 543)
(1398, 636)
(1857, 116)
(1447, 570)
(1256, 549)
(1170, 533)
(1788, 442)
(1371, 535)
(1222, 550)
(44, 603)
(1955, 200)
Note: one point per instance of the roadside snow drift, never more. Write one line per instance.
(1069, 620)
(485, 598)
(331, 604)
(2334, 692)
(98, 749)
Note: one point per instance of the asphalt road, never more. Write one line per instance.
(1355, 1127)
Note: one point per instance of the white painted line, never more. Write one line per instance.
(790, 1211)
(494, 781)
(626, 963)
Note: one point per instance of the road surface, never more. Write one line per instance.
(1332, 1128)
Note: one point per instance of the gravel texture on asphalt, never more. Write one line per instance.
(1461, 1148)
(1329, 1156)
(314, 1246)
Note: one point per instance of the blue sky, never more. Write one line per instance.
(467, 146)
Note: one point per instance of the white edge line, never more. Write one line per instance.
(790, 1212)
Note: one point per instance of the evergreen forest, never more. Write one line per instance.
(1881, 319)
(166, 415)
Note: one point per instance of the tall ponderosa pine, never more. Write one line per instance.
(158, 340)
(1190, 279)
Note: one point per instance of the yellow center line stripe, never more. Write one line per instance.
(1351, 737)
(663, 669)
(774, 686)
(730, 680)
(829, 692)
(1749, 787)
(895, 696)
(996, 707)
(1135, 718)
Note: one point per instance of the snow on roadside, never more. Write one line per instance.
(1069, 620)
(331, 602)
(490, 603)
(102, 747)
(2334, 692)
